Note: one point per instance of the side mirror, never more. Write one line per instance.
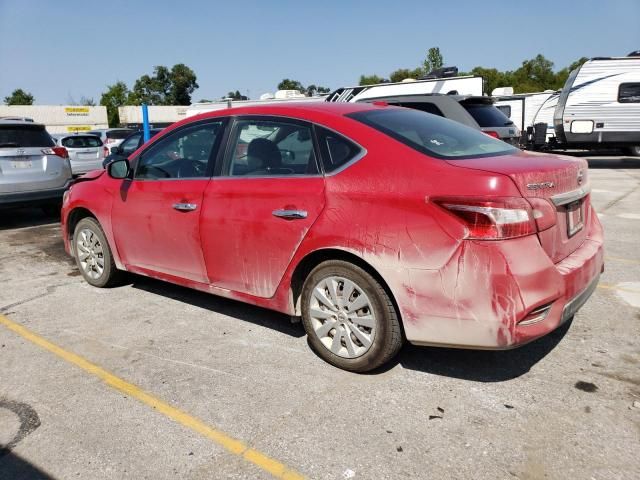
(119, 168)
(116, 151)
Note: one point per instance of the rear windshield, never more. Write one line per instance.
(487, 115)
(119, 134)
(433, 135)
(14, 136)
(84, 141)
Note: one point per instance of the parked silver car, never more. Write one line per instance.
(111, 137)
(33, 170)
(86, 152)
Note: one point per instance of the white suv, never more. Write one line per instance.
(33, 170)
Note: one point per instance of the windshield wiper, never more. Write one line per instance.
(9, 144)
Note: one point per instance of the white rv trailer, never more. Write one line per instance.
(599, 106)
(281, 96)
(467, 85)
(529, 109)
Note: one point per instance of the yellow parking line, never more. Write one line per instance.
(266, 463)
(623, 260)
(614, 287)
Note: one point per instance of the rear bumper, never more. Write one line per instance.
(485, 300)
(78, 167)
(18, 199)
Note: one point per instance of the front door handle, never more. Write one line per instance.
(185, 207)
(290, 214)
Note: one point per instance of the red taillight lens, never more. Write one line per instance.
(105, 151)
(59, 151)
(493, 134)
(496, 219)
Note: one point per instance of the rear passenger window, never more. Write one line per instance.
(272, 148)
(336, 150)
(629, 93)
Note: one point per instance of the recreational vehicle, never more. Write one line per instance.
(467, 85)
(599, 106)
(527, 110)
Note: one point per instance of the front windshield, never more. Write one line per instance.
(433, 135)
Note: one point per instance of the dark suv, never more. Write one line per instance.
(473, 111)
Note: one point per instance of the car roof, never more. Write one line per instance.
(21, 123)
(338, 109)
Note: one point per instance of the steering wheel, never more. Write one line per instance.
(190, 168)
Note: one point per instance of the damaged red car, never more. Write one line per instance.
(375, 224)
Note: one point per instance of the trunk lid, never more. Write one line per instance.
(562, 181)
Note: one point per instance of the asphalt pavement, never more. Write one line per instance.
(151, 380)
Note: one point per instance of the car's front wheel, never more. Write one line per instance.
(349, 318)
(93, 255)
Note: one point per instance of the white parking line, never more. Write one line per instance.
(629, 292)
(631, 216)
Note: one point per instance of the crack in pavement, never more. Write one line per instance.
(49, 290)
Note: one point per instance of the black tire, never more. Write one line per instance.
(633, 151)
(110, 275)
(388, 338)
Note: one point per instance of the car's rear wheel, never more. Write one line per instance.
(349, 318)
(93, 255)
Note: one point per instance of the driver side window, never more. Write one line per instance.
(182, 154)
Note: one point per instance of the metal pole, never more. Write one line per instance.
(145, 123)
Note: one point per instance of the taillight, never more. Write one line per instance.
(544, 213)
(495, 219)
(105, 151)
(59, 151)
(493, 134)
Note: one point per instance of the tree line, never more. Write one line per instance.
(175, 85)
(534, 75)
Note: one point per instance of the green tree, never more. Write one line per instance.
(182, 83)
(165, 87)
(312, 90)
(534, 75)
(115, 96)
(370, 79)
(403, 73)
(434, 60)
(19, 97)
(493, 78)
(235, 96)
(288, 84)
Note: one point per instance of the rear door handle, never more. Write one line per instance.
(185, 207)
(290, 214)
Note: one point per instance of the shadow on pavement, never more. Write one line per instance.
(480, 365)
(25, 217)
(614, 162)
(232, 308)
(14, 467)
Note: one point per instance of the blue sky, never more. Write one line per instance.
(66, 49)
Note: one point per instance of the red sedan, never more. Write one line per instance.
(375, 224)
